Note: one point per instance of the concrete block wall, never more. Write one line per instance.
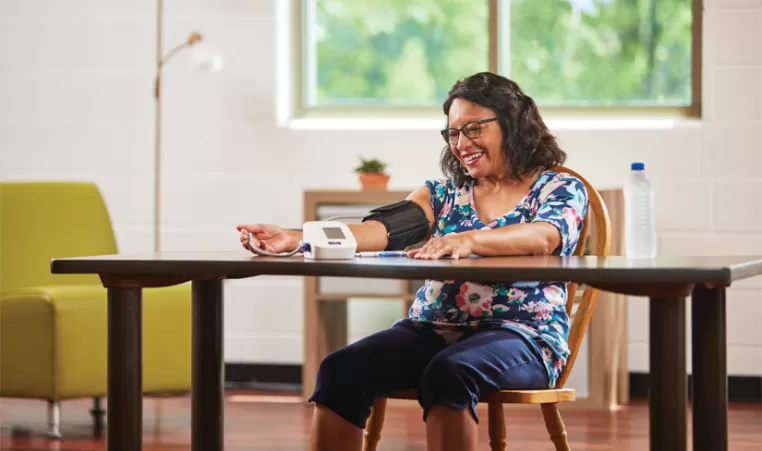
(76, 103)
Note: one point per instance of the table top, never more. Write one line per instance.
(589, 269)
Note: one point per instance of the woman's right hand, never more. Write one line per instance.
(267, 237)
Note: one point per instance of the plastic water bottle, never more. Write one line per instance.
(640, 222)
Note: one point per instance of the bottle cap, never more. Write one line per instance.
(638, 166)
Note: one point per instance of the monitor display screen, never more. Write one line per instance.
(333, 233)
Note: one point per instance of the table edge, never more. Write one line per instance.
(236, 269)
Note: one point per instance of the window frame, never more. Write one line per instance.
(298, 108)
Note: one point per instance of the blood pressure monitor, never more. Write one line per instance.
(328, 240)
(405, 222)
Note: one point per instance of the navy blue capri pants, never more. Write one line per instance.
(406, 356)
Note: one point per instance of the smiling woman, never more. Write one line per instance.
(461, 339)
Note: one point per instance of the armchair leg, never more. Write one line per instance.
(157, 415)
(555, 426)
(98, 413)
(54, 419)
(372, 433)
(496, 422)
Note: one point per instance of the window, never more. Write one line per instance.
(569, 55)
(392, 52)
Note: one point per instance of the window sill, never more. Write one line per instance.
(428, 124)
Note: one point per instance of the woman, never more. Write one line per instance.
(463, 339)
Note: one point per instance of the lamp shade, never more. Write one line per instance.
(204, 60)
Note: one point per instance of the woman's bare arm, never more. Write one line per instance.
(538, 238)
(371, 235)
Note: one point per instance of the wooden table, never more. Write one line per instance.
(666, 281)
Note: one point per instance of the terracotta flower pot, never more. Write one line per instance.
(373, 180)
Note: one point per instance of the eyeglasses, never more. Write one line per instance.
(471, 130)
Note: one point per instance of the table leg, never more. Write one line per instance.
(668, 379)
(710, 383)
(207, 421)
(125, 369)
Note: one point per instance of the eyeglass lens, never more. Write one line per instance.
(471, 130)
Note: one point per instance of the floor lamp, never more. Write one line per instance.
(202, 61)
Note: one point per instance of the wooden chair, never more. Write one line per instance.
(597, 217)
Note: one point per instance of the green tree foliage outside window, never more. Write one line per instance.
(562, 52)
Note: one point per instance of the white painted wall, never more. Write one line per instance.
(76, 103)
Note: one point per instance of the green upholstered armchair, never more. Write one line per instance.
(53, 335)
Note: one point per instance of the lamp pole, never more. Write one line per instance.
(161, 61)
(157, 133)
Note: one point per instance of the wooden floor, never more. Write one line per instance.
(275, 422)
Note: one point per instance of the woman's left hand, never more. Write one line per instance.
(455, 245)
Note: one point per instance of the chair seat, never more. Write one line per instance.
(509, 396)
(53, 341)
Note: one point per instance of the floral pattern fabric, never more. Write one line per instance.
(536, 310)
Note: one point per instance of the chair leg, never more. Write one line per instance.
(375, 423)
(157, 408)
(555, 426)
(496, 422)
(54, 419)
(98, 413)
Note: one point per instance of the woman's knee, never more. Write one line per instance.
(459, 379)
(339, 388)
(449, 382)
(339, 370)
(447, 372)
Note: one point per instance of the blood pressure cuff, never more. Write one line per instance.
(405, 221)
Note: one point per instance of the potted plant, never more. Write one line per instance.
(372, 174)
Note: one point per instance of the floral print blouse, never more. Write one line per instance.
(533, 309)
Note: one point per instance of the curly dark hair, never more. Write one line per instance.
(528, 146)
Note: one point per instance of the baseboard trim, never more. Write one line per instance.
(264, 376)
(288, 377)
(740, 388)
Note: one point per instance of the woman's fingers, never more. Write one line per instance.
(245, 240)
(443, 250)
(437, 248)
(419, 253)
(248, 240)
(434, 249)
(454, 253)
(246, 230)
(253, 228)
(426, 251)
(264, 236)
